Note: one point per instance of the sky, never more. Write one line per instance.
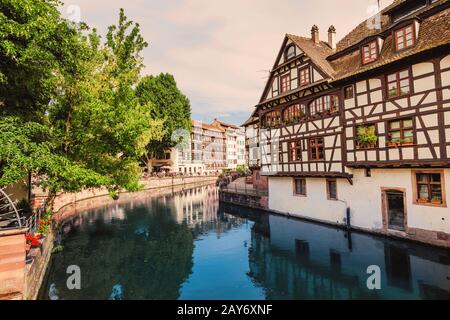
(221, 51)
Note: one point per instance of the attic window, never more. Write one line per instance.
(290, 52)
(370, 52)
(404, 37)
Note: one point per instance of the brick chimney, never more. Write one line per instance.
(332, 37)
(315, 34)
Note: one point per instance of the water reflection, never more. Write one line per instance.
(308, 261)
(184, 246)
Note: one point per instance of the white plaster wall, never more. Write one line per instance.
(363, 198)
(315, 205)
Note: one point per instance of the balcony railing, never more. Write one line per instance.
(12, 218)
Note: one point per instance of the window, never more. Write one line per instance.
(295, 151)
(404, 37)
(316, 149)
(275, 153)
(332, 189)
(429, 186)
(272, 119)
(398, 84)
(285, 83)
(370, 52)
(366, 137)
(348, 92)
(324, 105)
(294, 113)
(290, 52)
(300, 187)
(304, 77)
(400, 132)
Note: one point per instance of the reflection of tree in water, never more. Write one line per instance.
(149, 254)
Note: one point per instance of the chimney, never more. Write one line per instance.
(332, 37)
(315, 34)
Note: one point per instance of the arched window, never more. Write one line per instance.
(289, 53)
(324, 105)
(271, 119)
(294, 113)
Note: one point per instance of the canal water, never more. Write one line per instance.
(185, 246)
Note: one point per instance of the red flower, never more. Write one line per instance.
(28, 237)
(35, 242)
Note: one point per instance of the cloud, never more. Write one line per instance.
(220, 52)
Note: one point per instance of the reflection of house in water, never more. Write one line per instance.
(199, 207)
(307, 261)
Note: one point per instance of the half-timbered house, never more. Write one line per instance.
(357, 132)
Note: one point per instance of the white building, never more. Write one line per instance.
(358, 132)
(235, 144)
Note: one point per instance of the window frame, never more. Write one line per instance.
(415, 187)
(272, 115)
(332, 99)
(307, 76)
(286, 55)
(304, 187)
(292, 111)
(316, 147)
(288, 83)
(397, 82)
(372, 45)
(329, 195)
(357, 144)
(402, 30)
(402, 130)
(352, 91)
(297, 150)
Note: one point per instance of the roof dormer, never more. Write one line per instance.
(405, 34)
(403, 9)
(370, 49)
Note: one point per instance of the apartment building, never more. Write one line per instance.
(357, 132)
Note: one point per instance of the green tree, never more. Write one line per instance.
(165, 102)
(68, 109)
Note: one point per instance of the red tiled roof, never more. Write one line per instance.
(227, 125)
(434, 32)
(206, 126)
(317, 52)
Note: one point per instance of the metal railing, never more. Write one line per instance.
(12, 218)
(9, 215)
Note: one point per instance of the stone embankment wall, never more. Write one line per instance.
(64, 199)
(12, 264)
(242, 199)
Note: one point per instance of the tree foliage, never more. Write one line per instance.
(166, 103)
(68, 109)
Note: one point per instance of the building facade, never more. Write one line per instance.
(235, 144)
(357, 132)
(211, 148)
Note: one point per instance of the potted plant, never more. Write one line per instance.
(436, 200)
(366, 136)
